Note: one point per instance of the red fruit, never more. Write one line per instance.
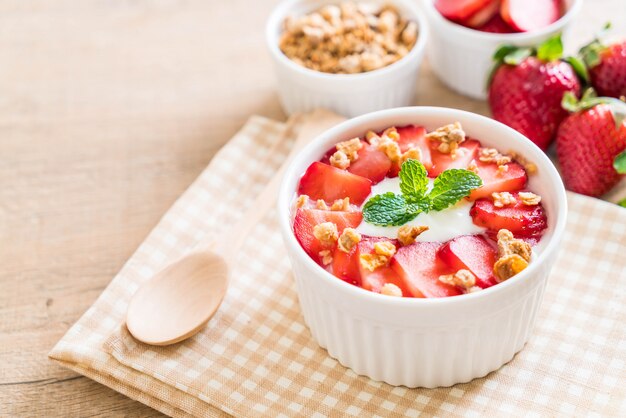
(412, 136)
(460, 10)
(496, 25)
(513, 179)
(375, 280)
(520, 219)
(608, 71)
(322, 181)
(484, 15)
(527, 97)
(529, 15)
(419, 267)
(464, 155)
(371, 164)
(346, 266)
(306, 219)
(473, 253)
(587, 143)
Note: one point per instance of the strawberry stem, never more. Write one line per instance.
(589, 100)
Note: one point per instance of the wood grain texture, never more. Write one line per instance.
(108, 111)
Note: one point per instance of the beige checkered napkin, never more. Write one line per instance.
(256, 357)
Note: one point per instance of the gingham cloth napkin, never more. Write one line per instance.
(256, 357)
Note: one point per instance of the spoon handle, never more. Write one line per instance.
(317, 122)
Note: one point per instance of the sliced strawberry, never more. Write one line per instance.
(529, 15)
(371, 163)
(464, 155)
(496, 25)
(484, 15)
(520, 219)
(460, 10)
(412, 136)
(418, 265)
(509, 181)
(473, 253)
(375, 280)
(346, 266)
(322, 181)
(306, 219)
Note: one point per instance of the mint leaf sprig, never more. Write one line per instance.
(390, 209)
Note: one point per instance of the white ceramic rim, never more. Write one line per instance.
(519, 37)
(275, 20)
(285, 197)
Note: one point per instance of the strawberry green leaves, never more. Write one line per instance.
(620, 163)
(392, 209)
(618, 108)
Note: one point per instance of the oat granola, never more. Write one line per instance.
(348, 38)
(341, 204)
(408, 233)
(503, 199)
(348, 240)
(462, 278)
(492, 155)
(449, 136)
(529, 199)
(326, 233)
(383, 251)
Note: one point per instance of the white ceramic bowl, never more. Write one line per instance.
(424, 342)
(301, 89)
(462, 57)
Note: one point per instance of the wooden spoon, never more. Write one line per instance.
(179, 300)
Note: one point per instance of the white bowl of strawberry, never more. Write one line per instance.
(420, 242)
(467, 33)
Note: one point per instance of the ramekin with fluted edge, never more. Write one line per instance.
(424, 342)
(301, 89)
(462, 58)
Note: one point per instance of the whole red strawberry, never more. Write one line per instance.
(589, 141)
(527, 87)
(607, 66)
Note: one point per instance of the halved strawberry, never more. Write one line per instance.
(529, 15)
(520, 219)
(464, 155)
(418, 265)
(412, 136)
(306, 219)
(483, 15)
(496, 25)
(375, 280)
(322, 181)
(346, 266)
(473, 253)
(371, 163)
(460, 10)
(513, 179)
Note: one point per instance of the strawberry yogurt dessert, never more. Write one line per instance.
(409, 213)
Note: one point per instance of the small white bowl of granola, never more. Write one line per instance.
(349, 57)
(446, 331)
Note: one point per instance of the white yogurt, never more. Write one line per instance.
(444, 225)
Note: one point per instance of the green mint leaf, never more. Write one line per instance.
(551, 50)
(451, 186)
(579, 68)
(389, 209)
(620, 163)
(518, 55)
(413, 180)
(622, 203)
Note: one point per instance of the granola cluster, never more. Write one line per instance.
(390, 289)
(383, 251)
(408, 233)
(513, 256)
(503, 199)
(348, 38)
(449, 137)
(347, 152)
(348, 240)
(462, 278)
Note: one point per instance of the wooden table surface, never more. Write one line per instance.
(108, 111)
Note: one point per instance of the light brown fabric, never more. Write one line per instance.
(256, 357)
